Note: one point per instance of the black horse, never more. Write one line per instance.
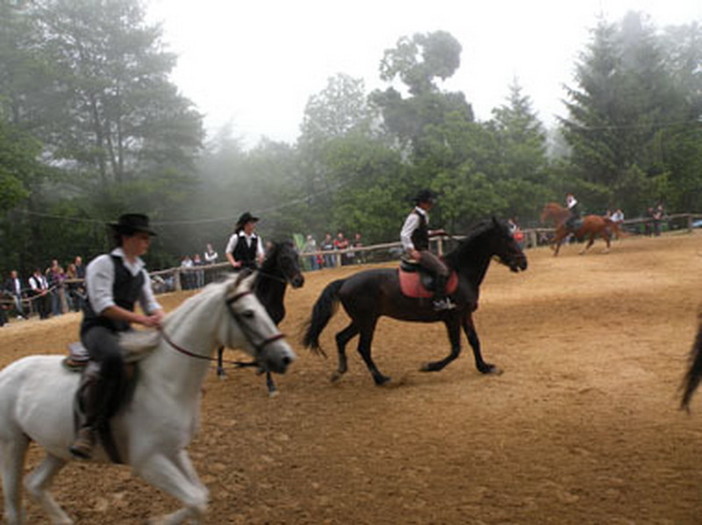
(370, 294)
(694, 373)
(280, 267)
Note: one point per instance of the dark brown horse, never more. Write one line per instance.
(589, 227)
(694, 372)
(370, 294)
(280, 267)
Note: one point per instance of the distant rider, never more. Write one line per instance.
(245, 247)
(415, 241)
(574, 209)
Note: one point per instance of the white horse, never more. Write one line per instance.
(152, 432)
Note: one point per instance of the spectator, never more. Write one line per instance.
(311, 247)
(72, 285)
(211, 255)
(516, 231)
(342, 243)
(356, 243)
(658, 214)
(80, 268)
(617, 217)
(328, 245)
(187, 276)
(40, 293)
(245, 248)
(13, 286)
(199, 272)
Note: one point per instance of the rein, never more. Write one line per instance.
(247, 333)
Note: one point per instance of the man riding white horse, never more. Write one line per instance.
(114, 283)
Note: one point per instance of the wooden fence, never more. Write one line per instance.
(185, 278)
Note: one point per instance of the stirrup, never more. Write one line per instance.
(443, 304)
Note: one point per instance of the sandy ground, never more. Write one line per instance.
(582, 427)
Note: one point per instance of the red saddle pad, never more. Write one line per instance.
(411, 284)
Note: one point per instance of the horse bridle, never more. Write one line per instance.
(248, 333)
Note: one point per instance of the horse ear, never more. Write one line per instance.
(245, 278)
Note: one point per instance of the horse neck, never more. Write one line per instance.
(270, 287)
(471, 262)
(191, 327)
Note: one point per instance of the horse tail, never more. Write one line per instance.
(694, 374)
(322, 312)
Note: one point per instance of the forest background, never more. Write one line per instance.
(91, 126)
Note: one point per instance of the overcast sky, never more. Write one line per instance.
(256, 63)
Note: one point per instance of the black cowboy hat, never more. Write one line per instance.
(425, 196)
(245, 218)
(130, 223)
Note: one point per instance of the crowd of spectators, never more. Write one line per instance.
(320, 255)
(51, 292)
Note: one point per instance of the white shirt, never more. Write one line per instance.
(411, 224)
(100, 278)
(211, 257)
(234, 239)
(38, 282)
(617, 216)
(570, 201)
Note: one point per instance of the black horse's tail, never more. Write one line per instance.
(694, 373)
(322, 312)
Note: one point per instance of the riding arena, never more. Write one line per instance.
(582, 426)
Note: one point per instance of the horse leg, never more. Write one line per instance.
(607, 239)
(590, 242)
(472, 335)
(342, 339)
(364, 348)
(168, 474)
(220, 363)
(272, 388)
(38, 482)
(454, 333)
(12, 453)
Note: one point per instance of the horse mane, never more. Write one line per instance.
(137, 343)
(466, 244)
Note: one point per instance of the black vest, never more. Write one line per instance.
(244, 253)
(125, 292)
(420, 236)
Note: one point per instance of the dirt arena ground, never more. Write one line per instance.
(582, 427)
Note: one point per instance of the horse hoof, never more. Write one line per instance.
(493, 370)
(336, 376)
(380, 381)
(273, 393)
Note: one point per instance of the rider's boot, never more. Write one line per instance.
(441, 299)
(96, 399)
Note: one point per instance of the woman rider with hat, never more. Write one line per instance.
(245, 247)
(114, 283)
(415, 241)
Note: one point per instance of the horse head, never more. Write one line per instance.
(262, 339)
(283, 260)
(506, 248)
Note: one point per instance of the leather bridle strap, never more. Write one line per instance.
(258, 347)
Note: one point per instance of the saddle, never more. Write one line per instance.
(419, 283)
(78, 361)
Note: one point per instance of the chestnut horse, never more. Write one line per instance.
(589, 227)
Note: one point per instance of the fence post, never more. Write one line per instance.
(176, 280)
